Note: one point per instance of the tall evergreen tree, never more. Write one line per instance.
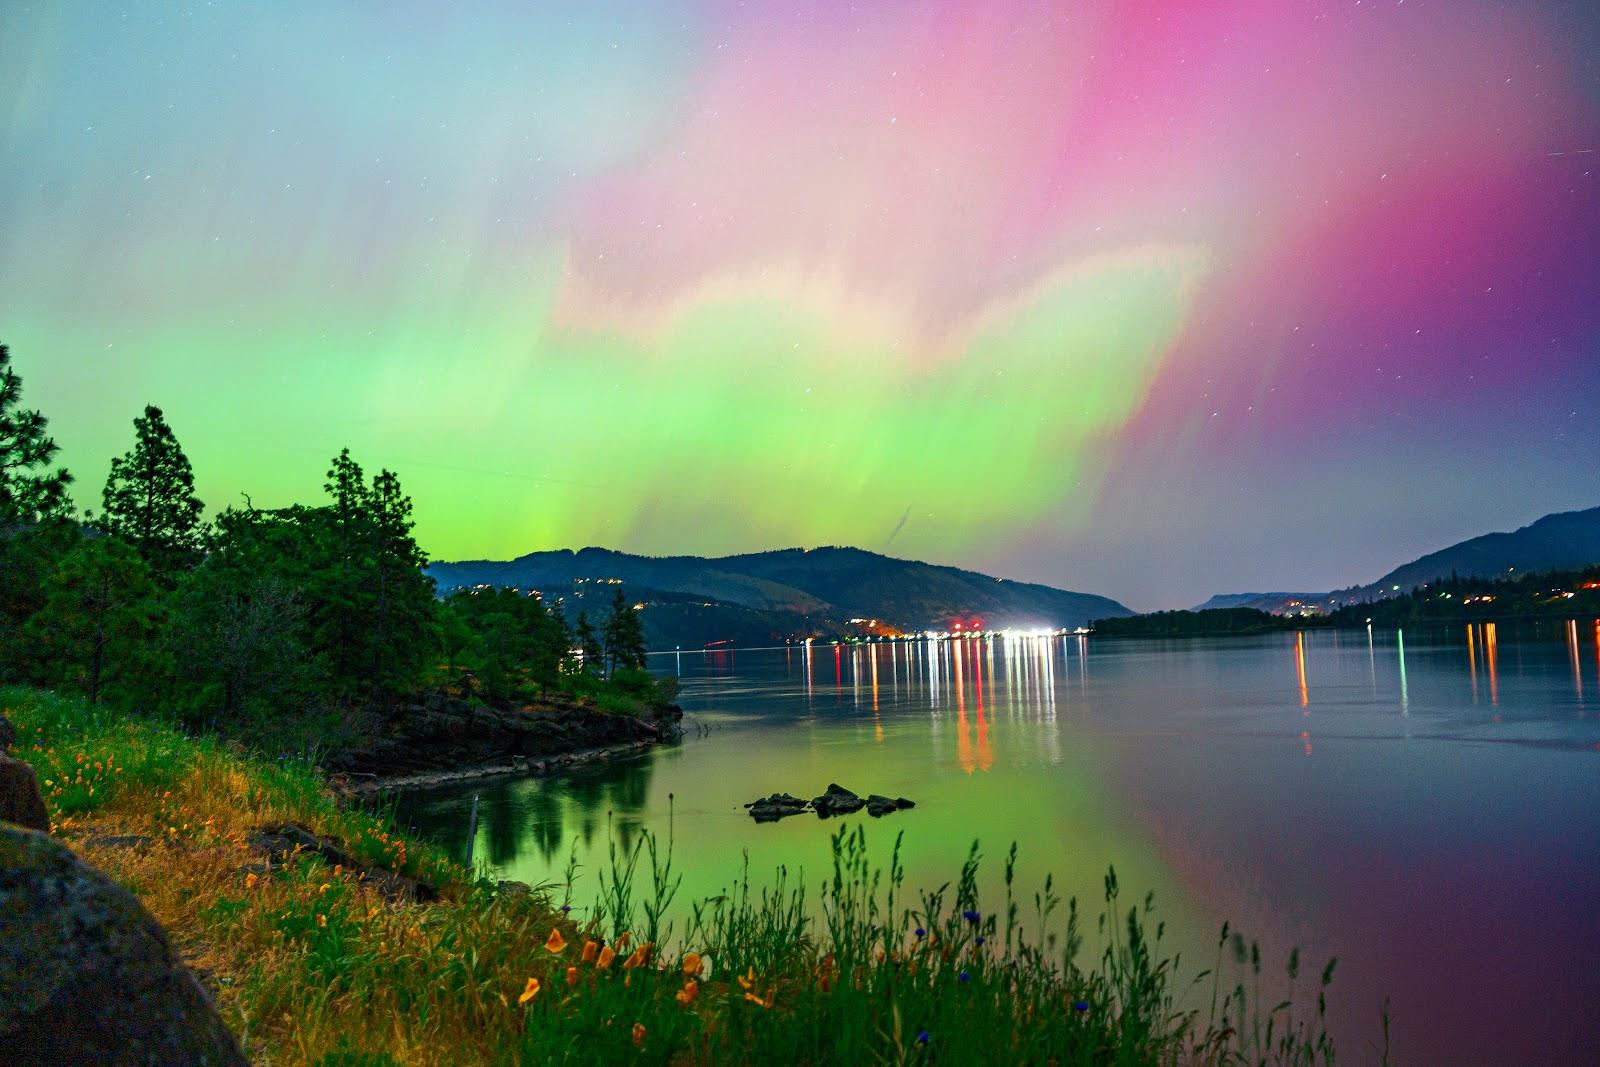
(624, 635)
(149, 498)
(97, 628)
(375, 616)
(591, 656)
(29, 491)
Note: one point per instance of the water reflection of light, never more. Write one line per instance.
(1405, 695)
(1300, 667)
(1372, 663)
(1472, 661)
(1572, 650)
(1491, 650)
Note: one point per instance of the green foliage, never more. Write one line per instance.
(30, 492)
(512, 643)
(96, 630)
(149, 499)
(29, 555)
(623, 635)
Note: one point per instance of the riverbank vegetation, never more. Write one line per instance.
(313, 964)
(1213, 622)
(297, 628)
(1534, 595)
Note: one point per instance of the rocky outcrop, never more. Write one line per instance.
(20, 799)
(837, 800)
(87, 975)
(449, 736)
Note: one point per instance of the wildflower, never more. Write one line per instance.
(572, 976)
(972, 917)
(322, 920)
(556, 943)
(565, 908)
(964, 977)
(1080, 1005)
(686, 995)
(338, 868)
(691, 965)
(621, 943)
(529, 992)
(640, 957)
(920, 932)
(638, 1034)
(922, 1037)
(589, 949)
(250, 880)
(978, 940)
(323, 888)
(747, 980)
(758, 1001)
(606, 956)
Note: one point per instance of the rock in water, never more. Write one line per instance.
(87, 975)
(837, 801)
(880, 805)
(20, 799)
(775, 807)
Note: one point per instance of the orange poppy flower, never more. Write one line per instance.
(572, 976)
(531, 991)
(686, 995)
(606, 956)
(589, 949)
(638, 1034)
(556, 943)
(691, 965)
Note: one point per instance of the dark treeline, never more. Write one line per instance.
(1458, 599)
(1214, 622)
(293, 626)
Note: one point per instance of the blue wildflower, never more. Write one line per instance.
(971, 916)
(979, 939)
(922, 1037)
(1080, 1005)
(920, 932)
(963, 977)
(565, 908)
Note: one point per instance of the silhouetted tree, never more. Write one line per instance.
(149, 499)
(623, 635)
(590, 653)
(29, 491)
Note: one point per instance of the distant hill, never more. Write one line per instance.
(1258, 601)
(781, 594)
(1565, 540)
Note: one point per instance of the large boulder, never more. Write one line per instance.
(87, 975)
(20, 799)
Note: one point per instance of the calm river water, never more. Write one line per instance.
(1424, 806)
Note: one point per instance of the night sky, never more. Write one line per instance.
(1155, 300)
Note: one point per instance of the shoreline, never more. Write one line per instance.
(357, 785)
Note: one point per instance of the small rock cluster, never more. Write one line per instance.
(837, 800)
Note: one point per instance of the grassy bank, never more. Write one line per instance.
(310, 964)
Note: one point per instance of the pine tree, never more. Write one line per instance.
(97, 626)
(590, 654)
(149, 499)
(624, 635)
(29, 492)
